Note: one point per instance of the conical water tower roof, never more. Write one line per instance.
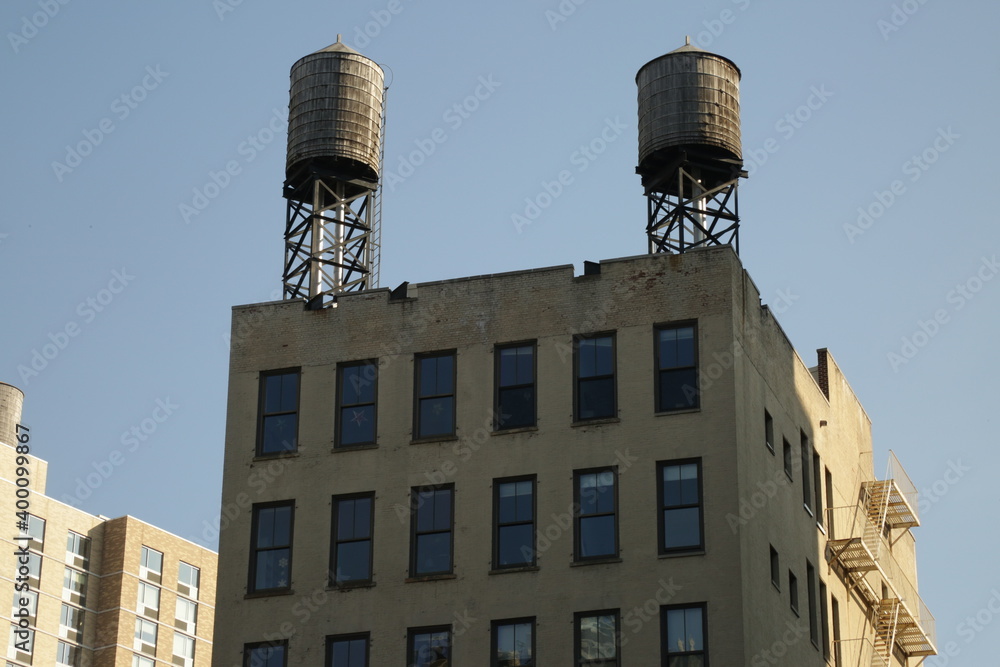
(338, 47)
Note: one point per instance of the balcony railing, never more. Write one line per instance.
(893, 500)
(859, 547)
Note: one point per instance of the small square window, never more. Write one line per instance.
(677, 368)
(183, 650)
(428, 647)
(595, 377)
(75, 586)
(347, 650)
(77, 550)
(515, 386)
(67, 655)
(357, 393)
(596, 641)
(148, 603)
(683, 632)
(434, 415)
(278, 422)
(22, 643)
(71, 623)
(145, 636)
(27, 600)
(186, 616)
(35, 530)
(188, 579)
(267, 654)
(513, 643)
(151, 565)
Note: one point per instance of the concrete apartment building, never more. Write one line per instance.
(88, 591)
(627, 467)
(656, 475)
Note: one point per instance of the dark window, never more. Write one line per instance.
(514, 509)
(515, 378)
(279, 405)
(271, 547)
(683, 631)
(829, 500)
(265, 655)
(596, 529)
(435, 395)
(786, 450)
(428, 647)
(351, 554)
(347, 650)
(432, 520)
(775, 569)
(793, 592)
(514, 643)
(811, 593)
(676, 368)
(818, 481)
(356, 395)
(806, 487)
(596, 642)
(768, 431)
(824, 619)
(595, 377)
(680, 506)
(835, 613)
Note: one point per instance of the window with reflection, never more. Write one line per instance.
(431, 521)
(595, 377)
(514, 534)
(435, 409)
(677, 368)
(356, 397)
(271, 547)
(682, 631)
(513, 643)
(515, 386)
(279, 406)
(680, 506)
(352, 539)
(596, 522)
(596, 643)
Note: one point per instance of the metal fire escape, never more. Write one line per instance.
(860, 551)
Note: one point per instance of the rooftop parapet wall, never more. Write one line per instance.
(476, 309)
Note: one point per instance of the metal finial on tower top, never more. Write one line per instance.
(690, 153)
(687, 40)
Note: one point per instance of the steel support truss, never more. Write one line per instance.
(331, 239)
(684, 213)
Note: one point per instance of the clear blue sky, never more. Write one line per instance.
(161, 95)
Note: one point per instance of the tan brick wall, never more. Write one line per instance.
(746, 364)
